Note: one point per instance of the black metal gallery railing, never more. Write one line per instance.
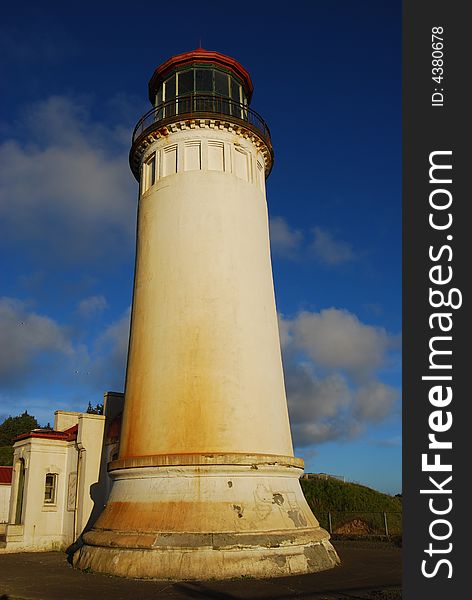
(199, 105)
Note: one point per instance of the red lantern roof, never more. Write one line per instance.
(200, 56)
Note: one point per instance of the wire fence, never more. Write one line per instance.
(362, 524)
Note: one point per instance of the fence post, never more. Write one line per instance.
(386, 524)
(329, 522)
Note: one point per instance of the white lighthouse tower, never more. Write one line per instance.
(206, 484)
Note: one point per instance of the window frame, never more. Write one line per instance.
(52, 488)
(162, 92)
(150, 174)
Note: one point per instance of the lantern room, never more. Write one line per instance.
(200, 73)
(200, 85)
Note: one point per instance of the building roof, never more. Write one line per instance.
(6, 475)
(200, 56)
(68, 435)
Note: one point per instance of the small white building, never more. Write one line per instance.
(60, 483)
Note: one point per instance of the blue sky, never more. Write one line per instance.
(327, 78)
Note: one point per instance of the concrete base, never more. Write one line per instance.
(209, 520)
(272, 555)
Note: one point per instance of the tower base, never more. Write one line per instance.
(206, 520)
(211, 556)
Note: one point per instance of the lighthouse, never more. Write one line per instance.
(206, 484)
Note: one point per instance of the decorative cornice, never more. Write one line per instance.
(151, 135)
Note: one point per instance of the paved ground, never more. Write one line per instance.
(369, 571)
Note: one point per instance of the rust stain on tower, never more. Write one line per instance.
(206, 484)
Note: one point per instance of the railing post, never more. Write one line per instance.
(330, 524)
(201, 103)
(386, 524)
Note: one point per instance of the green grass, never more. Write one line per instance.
(349, 501)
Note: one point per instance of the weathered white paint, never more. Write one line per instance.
(204, 369)
(5, 491)
(54, 526)
(206, 484)
(235, 519)
(43, 526)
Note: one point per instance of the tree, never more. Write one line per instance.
(6, 456)
(14, 426)
(9, 430)
(97, 410)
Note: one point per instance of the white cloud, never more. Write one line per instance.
(331, 393)
(110, 353)
(287, 242)
(331, 407)
(67, 192)
(331, 360)
(284, 331)
(374, 401)
(45, 366)
(336, 338)
(330, 397)
(329, 251)
(24, 336)
(284, 241)
(116, 335)
(91, 306)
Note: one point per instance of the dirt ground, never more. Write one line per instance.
(369, 571)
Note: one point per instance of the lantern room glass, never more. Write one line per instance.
(199, 88)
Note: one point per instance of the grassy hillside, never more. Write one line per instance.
(352, 506)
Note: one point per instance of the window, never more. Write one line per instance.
(186, 82)
(159, 113)
(170, 88)
(216, 157)
(203, 80)
(196, 88)
(221, 83)
(169, 95)
(260, 174)
(170, 161)
(50, 488)
(240, 164)
(192, 160)
(149, 172)
(235, 87)
(152, 170)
